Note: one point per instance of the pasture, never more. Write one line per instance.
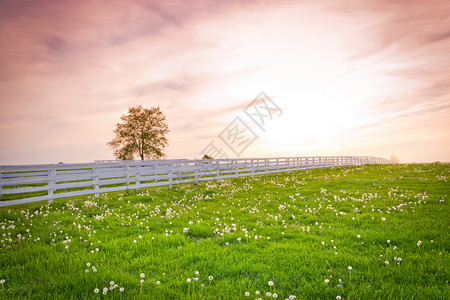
(360, 232)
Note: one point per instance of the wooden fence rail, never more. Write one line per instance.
(29, 183)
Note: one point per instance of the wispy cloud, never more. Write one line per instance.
(69, 69)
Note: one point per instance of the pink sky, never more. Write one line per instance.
(362, 77)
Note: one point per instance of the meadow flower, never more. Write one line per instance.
(111, 283)
(142, 275)
(210, 278)
(88, 264)
(135, 241)
(386, 262)
(350, 268)
(358, 236)
(158, 282)
(292, 297)
(2, 281)
(247, 294)
(195, 278)
(188, 280)
(388, 241)
(270, 283)
(142, 281)
(326, 281)
(338, 297)
(275, 295)
(419, 242)
(121, 289)
(197, 272)
(257, 292)
(268, 294)
(96, 291)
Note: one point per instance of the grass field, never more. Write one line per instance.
(366, 232)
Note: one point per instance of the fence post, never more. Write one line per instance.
(138, 176)
(197, 166)
(127, 168)
(1, 180)
(51, 183)
(218, 170)
(253, 168)
(96, 181)
(170, 179)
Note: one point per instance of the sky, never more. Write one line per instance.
(355, 77)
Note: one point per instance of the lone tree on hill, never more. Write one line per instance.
(143, 132)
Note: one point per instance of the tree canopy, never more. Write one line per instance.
(142, 132)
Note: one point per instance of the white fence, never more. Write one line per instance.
(29, 183)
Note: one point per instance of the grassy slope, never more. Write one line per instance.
(307, 225)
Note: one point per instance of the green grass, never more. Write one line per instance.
(311, 226)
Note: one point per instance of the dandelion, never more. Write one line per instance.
(257, 292)
(88, 264)
(158, 282)
(111, 283)
(142, 281)
(268, 294)
(275, 295)
(247, 294)
(195, 278)
(382, 219)
(121, 289)
(197, 272)
(326, 281)
(210, 278)
(142, 275)
(292, 297)
(105, 290)
(338, 297)
(386, 262)
(270, 283)
(388, 241)
(2, 281)
(135, 241)
(419, 242)
(140, 236)
(188, 280)
(350, 268)
(87, 270)
(358, 236)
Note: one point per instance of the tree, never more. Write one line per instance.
(142, 132)
(394, 159)
(206, 156)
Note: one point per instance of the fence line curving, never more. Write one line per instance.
(30, 183)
